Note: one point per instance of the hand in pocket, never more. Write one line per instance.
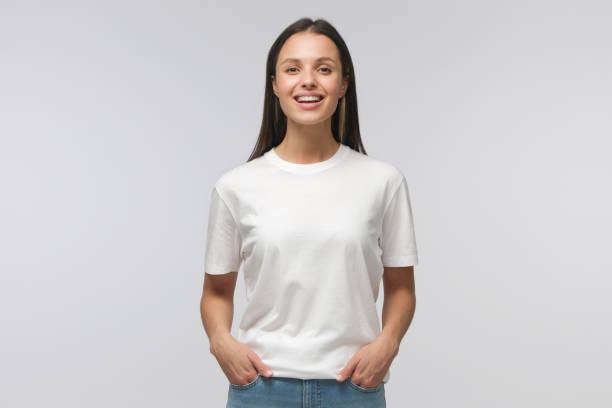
(240, 364)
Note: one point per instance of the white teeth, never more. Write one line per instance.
(309, 98)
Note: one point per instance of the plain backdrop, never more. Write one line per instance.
(117, 117)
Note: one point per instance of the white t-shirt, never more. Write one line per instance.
(312, 240)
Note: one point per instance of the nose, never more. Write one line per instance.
(308, 80)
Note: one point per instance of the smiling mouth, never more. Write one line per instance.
(310, 100)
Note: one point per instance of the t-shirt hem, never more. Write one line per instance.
(400, 260)
(219, 269)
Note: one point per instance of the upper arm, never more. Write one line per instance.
(220, 285)
(397, 240)
(222, 256)
(400, 277)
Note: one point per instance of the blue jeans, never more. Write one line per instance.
(285, 392)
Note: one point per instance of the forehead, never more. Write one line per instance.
(307, 46)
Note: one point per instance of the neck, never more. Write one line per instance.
(307, 143)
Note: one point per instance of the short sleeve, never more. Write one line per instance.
(223, 242)
(398, 241)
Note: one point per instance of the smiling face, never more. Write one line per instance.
(309, 65)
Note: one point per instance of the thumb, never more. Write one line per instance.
(348, 369)
(260, 366)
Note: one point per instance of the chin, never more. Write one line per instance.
(309, 118)
(314, 121)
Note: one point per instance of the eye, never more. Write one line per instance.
(289, 69)
(328, 70)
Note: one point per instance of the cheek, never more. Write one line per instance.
(286, 86)
(332, 87)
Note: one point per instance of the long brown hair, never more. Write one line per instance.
(345, 120)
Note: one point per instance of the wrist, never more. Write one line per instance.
(392, 340)
(219, 338)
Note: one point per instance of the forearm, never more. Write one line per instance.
(398, 309)
(217, 312)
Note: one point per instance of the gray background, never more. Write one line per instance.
(117, 117)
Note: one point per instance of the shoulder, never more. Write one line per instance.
(234, 178)
(375, 168)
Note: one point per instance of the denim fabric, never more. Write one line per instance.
(285, 392)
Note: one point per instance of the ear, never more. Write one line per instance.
(274, 86)
(344, 86)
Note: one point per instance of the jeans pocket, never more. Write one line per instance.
(364, 389)
(246, 386)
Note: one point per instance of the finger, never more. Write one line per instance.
(348, 368)
(259, 365)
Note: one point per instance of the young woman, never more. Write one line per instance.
(316, 224)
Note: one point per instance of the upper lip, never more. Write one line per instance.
(308, 94)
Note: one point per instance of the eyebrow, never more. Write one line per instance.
(298, 60)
